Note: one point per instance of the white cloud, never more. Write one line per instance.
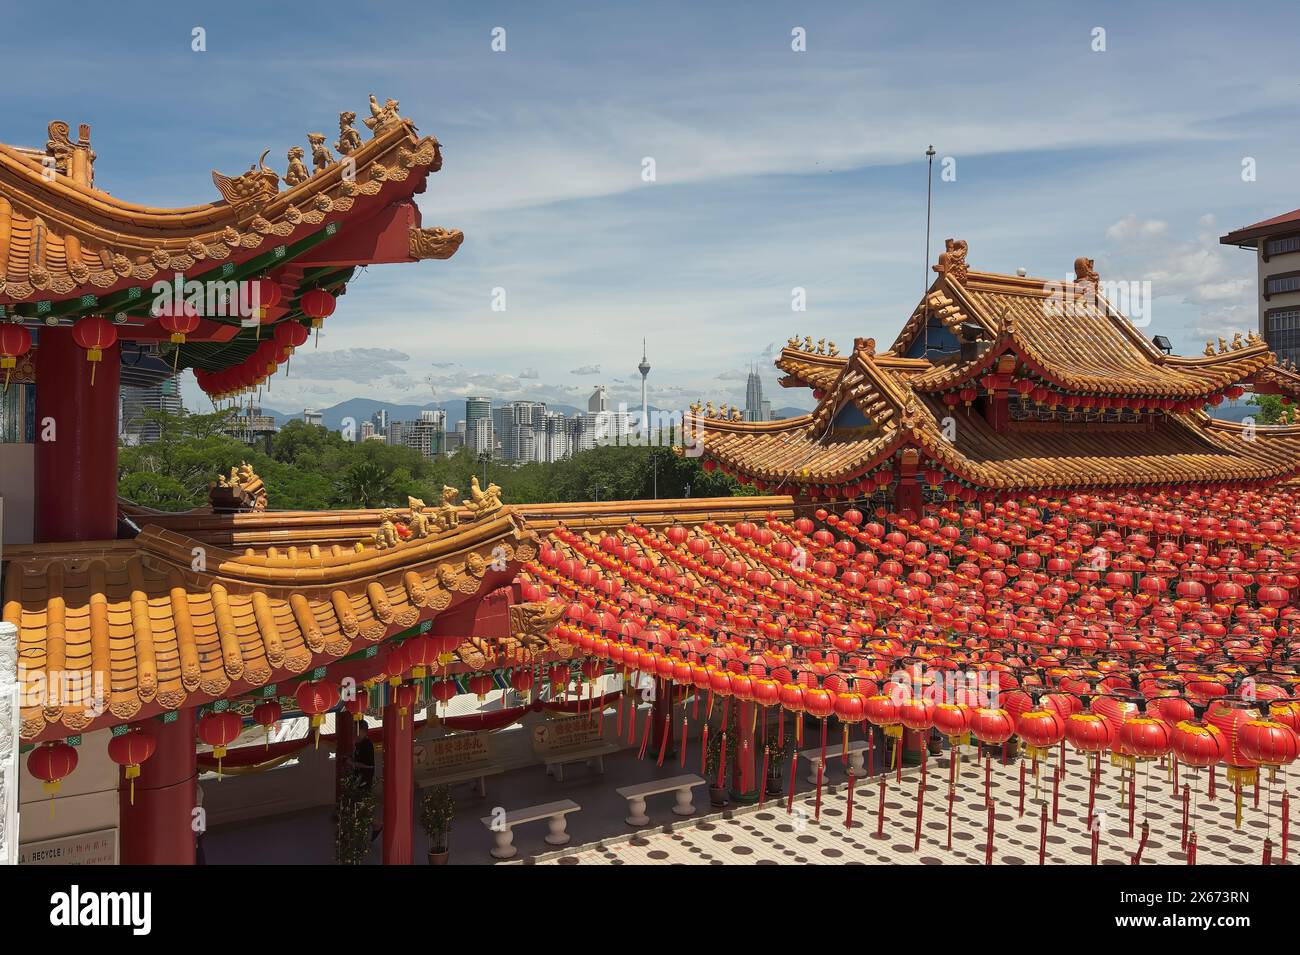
(1132, 227)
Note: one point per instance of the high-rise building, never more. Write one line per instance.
(599, 400)
(313, 418)
(428, 435)
(754, 403)
(517, 425)
(135, 426)
(380, 420)
(479, 436)
(367, 430)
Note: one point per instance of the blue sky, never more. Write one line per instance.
(774, 169)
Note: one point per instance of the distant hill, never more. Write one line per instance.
(788, 412)
(1234, 412)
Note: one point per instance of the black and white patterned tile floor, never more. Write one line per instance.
(771, 835)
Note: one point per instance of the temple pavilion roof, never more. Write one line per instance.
(1130, 413)
(282, 594)
(68, 248)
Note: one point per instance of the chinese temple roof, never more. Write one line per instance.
(69, 249)
(165, 635)
(281, 594)
(1133, 413)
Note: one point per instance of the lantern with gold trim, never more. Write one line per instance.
(315, 699)
(51, 763)
(15, 341)
(130, 750)
(219, 730)
(266, 715)
(94, 333)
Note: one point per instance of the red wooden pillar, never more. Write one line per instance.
(158, 824)
(398, 787)
(345, 741)
(743, 773)
(76, 440)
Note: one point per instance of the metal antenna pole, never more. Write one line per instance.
(925, 265)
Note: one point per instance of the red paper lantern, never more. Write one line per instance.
(315, 699)
(219, 730)
(94, 334)
(521, 681)
(1269, 743)
(1143, 737)
(267, 293)
(1198, 744)
(266, 715)
(1041, 730)
(289, 335)
(51, 763)
(992, 726)
(420, 652)
(818, 702)
(1088, 732)
(15, 341)
(130, 750)
(179, 321)
(481, 684)
(318, 305)
(953, 721)
(358, 705)
(917, 713)
(443, 691)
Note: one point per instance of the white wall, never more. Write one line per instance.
(17, 492)
(87, 799)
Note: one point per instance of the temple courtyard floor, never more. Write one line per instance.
(802, 834)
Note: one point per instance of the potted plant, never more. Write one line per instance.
(352, 826)
(437, 810)
(777, 754)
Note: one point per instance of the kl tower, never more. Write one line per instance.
(644, 368)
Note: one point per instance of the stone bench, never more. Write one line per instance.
(503, 827)
(636, 796)
(857, 759)
(556, 761)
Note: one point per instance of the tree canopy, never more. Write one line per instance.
(312, 468)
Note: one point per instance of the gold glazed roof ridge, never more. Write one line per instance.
(88, 240)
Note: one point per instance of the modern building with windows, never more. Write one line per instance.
(136, 425)
(428, 435)
(479, 434)
(1276, 243)
(252, 427)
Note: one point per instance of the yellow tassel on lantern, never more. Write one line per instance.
(132, 771)
(94, 356)
(316, 721)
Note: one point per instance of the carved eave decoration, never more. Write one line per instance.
(435, 243)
